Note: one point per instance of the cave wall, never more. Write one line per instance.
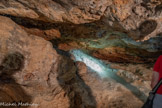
(114, 31)
(141, 19)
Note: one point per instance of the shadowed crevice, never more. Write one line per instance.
(147, 27)
(78, 93)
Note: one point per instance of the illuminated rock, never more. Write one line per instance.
(97, 66)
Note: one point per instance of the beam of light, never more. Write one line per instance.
(94, 64)
(104, 71)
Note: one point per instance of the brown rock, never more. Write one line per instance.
(68, 46)
(56, 11)
(44, 77)
(125, 55)
(36, 70)
(109, 94)
(122, 8)
(52, 33)
(46, 34)
(127, 14)
(82, 68)
(122, 15)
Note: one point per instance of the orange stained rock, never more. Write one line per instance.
(121, 2)
(46, 34)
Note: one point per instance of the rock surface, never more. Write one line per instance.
(141, 19)
(116, 47)
(46, 34)
(39, 58)
(32, 71)
(107, 92)
(71, 24)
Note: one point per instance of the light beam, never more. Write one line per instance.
(96, 65)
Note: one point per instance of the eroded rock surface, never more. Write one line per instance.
(87, 24)
(141, 19)
(38, 72)
(116, 47)
(31, 70)
(107, 92)
(39, 58)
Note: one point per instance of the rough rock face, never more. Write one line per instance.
(127, 55)
(141, 19)
(31, 71)
(39, 58)
(108, 94)
(116, 47)
(46, 34)
(72, 24)
(14, 39)
(56, 10)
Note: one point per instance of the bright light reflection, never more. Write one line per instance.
(96, 65)
(104, 70)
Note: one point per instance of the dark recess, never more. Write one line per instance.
(147, 27)
(158, 8)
